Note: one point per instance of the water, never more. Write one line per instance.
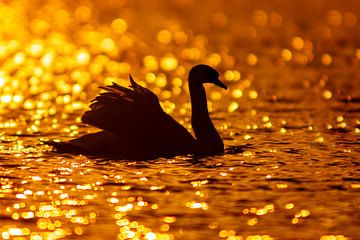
(291, 123)
(301, 182)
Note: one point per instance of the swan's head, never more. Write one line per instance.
(206, 74)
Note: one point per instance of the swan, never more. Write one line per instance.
(134, 126)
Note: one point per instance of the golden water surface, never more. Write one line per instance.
(291, 119)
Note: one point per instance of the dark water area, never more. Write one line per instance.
(290, 120)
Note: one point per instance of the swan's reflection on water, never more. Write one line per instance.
(290, 121)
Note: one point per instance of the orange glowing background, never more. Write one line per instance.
(57, 53)
(275, 56)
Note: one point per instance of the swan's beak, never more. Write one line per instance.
(218, 83)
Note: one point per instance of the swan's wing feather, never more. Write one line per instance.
(118, 107)
(134, 115)
(138, 88)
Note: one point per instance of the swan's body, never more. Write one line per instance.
(135, 126)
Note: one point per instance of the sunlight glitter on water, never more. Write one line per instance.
(292, 109)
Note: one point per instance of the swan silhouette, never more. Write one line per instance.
(134, 126)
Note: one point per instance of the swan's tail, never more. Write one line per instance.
(63, 147)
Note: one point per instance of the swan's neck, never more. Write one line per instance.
(206, 135)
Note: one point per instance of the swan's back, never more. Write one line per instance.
(136, 122)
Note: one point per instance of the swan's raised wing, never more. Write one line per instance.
(121, 110)
(134, 115)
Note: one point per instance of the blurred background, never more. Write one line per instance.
(60, 51)
(291, 119)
